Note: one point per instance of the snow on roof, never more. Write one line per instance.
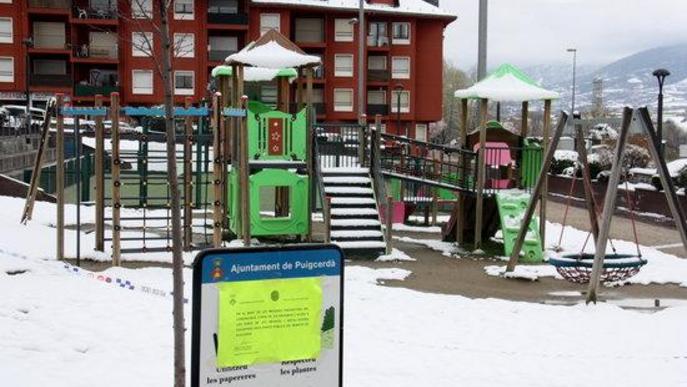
(272, 51)
(507, 83)
(256, 74)
(413, 7)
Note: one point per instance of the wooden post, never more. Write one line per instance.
(435, 196)
(463, 134)
(527, 217)
(460, 200)
(609, 206)
(389, 221)
(308, 149)
(116, 182)
(481, 173)
(327, 213)
(245, 162)
(228, 139)
(188, 179)
(545, 188)
(217, 171)
(59, 171)
(32, 190)
(283, 96)
(587, 181)
(299, 90)
(524, 118)
(99, 178)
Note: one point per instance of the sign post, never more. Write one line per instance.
(268, 317)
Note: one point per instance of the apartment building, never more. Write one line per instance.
(88, 47)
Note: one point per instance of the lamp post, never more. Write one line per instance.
(399, 89)
(574, 82)
(28, 42)
(660, 75)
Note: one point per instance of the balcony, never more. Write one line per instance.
(57, 6)
(378, 75)
(95, 16)
(96, 54)
(220, 17)
(219, 55)
(378, 41)
(374, 109)
(81, 90)
(50, 80)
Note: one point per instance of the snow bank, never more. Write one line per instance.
(395, 256)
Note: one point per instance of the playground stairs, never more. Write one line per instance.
(355, 221)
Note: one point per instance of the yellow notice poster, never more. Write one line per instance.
(268, 321)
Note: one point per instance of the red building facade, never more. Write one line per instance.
(88, 47)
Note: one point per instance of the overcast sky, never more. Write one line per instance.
(528, 32)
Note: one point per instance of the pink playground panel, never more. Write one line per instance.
(497, 155)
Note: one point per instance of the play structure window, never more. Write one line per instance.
(183, 82)
(142, 9)
(7, 69)
(183, 9)
(401, 98)
(269, 21)
(400, 67)
(141, 43)
(344, 30)
(343, 65)
(343, 100)
(142, 82)
(184, 45)
(274, 202)
(401, 33)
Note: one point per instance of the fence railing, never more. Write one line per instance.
(340, 145)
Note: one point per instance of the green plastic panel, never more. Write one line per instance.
(512, 206)
(293, 138)
(530, 164)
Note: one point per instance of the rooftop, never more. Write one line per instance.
(410, 7)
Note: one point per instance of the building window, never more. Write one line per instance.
(142, 44)
(269, 21)
(183, 82)
(6, 69)
(376, 97)
(317, 95)
(49, 35)
(343, 100)
(223, 6)
(6, 30)
(220, 47)
(142, 9)
(343, 65)
(268, 94)
(405, 101)
(400, 67)
(377, 36)
(184, 45)
(376, 63)
(421, 132)
(400, 33)
(309, 30)
(102, 44)
(183, 9)
(343, 30)
(142, 82)
(50, 67)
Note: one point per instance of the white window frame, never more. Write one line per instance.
(185, 91)
(338, 72)
(8, 78)
(267, 16)
(421, 128)
(338, 108)
(5, 1)
(9, 39)
(343, 30)
(138, 49)
(185, 15)
(142, 90)
(395, 73)
(394, 101)
(142, 9)
(189, 48)
(397, 40)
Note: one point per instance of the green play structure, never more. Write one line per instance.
(511, 207)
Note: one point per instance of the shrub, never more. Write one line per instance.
(681, 179)
(635, 157)
(562, 160)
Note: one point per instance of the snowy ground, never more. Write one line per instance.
(58, 328)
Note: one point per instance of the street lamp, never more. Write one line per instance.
(399, 89)
(660, 75)
(28, 42)
(574, 80)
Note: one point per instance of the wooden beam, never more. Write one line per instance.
(481, 173)
(525, 118)
(587, 182)
(217, 171)
(99, 178)
(463, 130)
(389, 223)
(245, 167)
(545, 188)
(527, 218)
(116, 182)
(609, 206)
(59, 172)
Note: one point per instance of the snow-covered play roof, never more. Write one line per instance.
(273, 51)
(507, 83)
(256, 74)
(407, 7)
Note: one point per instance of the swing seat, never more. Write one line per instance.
(577, 268)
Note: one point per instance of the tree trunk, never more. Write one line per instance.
(175, 202)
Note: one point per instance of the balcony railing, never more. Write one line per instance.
(377, 41)
(374, 109)
(219, 55)
(93, 51)
(55, 4)
(50, 45)
(91, 90)
(227, 18)
(378, 75)
(320, 108)
(95, 13)
(50, 80)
